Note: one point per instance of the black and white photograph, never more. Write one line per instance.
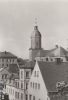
(33, 49)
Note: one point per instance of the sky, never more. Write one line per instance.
(17, 20)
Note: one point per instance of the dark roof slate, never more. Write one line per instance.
(29, 64)
(6, 54)
(21, 61)
(13, 76)
(13, 68)
(53, 73)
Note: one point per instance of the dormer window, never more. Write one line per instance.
(46, 59)
(67, 58)
(51, 59)
(58, 60)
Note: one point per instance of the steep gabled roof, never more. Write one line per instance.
(53, 73)
(6, 54)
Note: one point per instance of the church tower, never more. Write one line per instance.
(36, 39)
(35, 43)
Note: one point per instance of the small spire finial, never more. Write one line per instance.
(35, 21)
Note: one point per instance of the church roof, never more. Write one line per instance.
(53, 73)
(36, 32)
(42, 53)
(58, 51)
(6, 54)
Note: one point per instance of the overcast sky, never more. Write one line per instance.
(17, 20)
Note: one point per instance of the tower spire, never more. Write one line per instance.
(35, 21)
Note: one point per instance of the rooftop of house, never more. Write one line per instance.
(53, 72)
(6, 54)
(13, 76)
(28, 65)
(21, 61)
(57, 51)
(12, 68)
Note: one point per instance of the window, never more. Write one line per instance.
(27, 74)
(35, 85)
(15, 94)
(26, 85)
(11, 91)
(30, 96)
(2, 60)
(7, 65)
(67, 58)
(33, 97)
(21, 85)
(13, 60)
(51, 59)
(38, 86)
(46, 59)
(15, 84)
(7, 60)
(2, 65)
(10, 60)
(2, 76)
(21, 96)
(35, 73)
(5, 76)
(31, 84)
(7, 90)
(26, 97)
(58, 60)
(18, 95)
(21, 74)
(18, 84)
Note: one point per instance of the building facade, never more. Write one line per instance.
(7, 58)
(36, 52)
(16, 88)
(49, 81)
(35, 79)
(35, 43)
